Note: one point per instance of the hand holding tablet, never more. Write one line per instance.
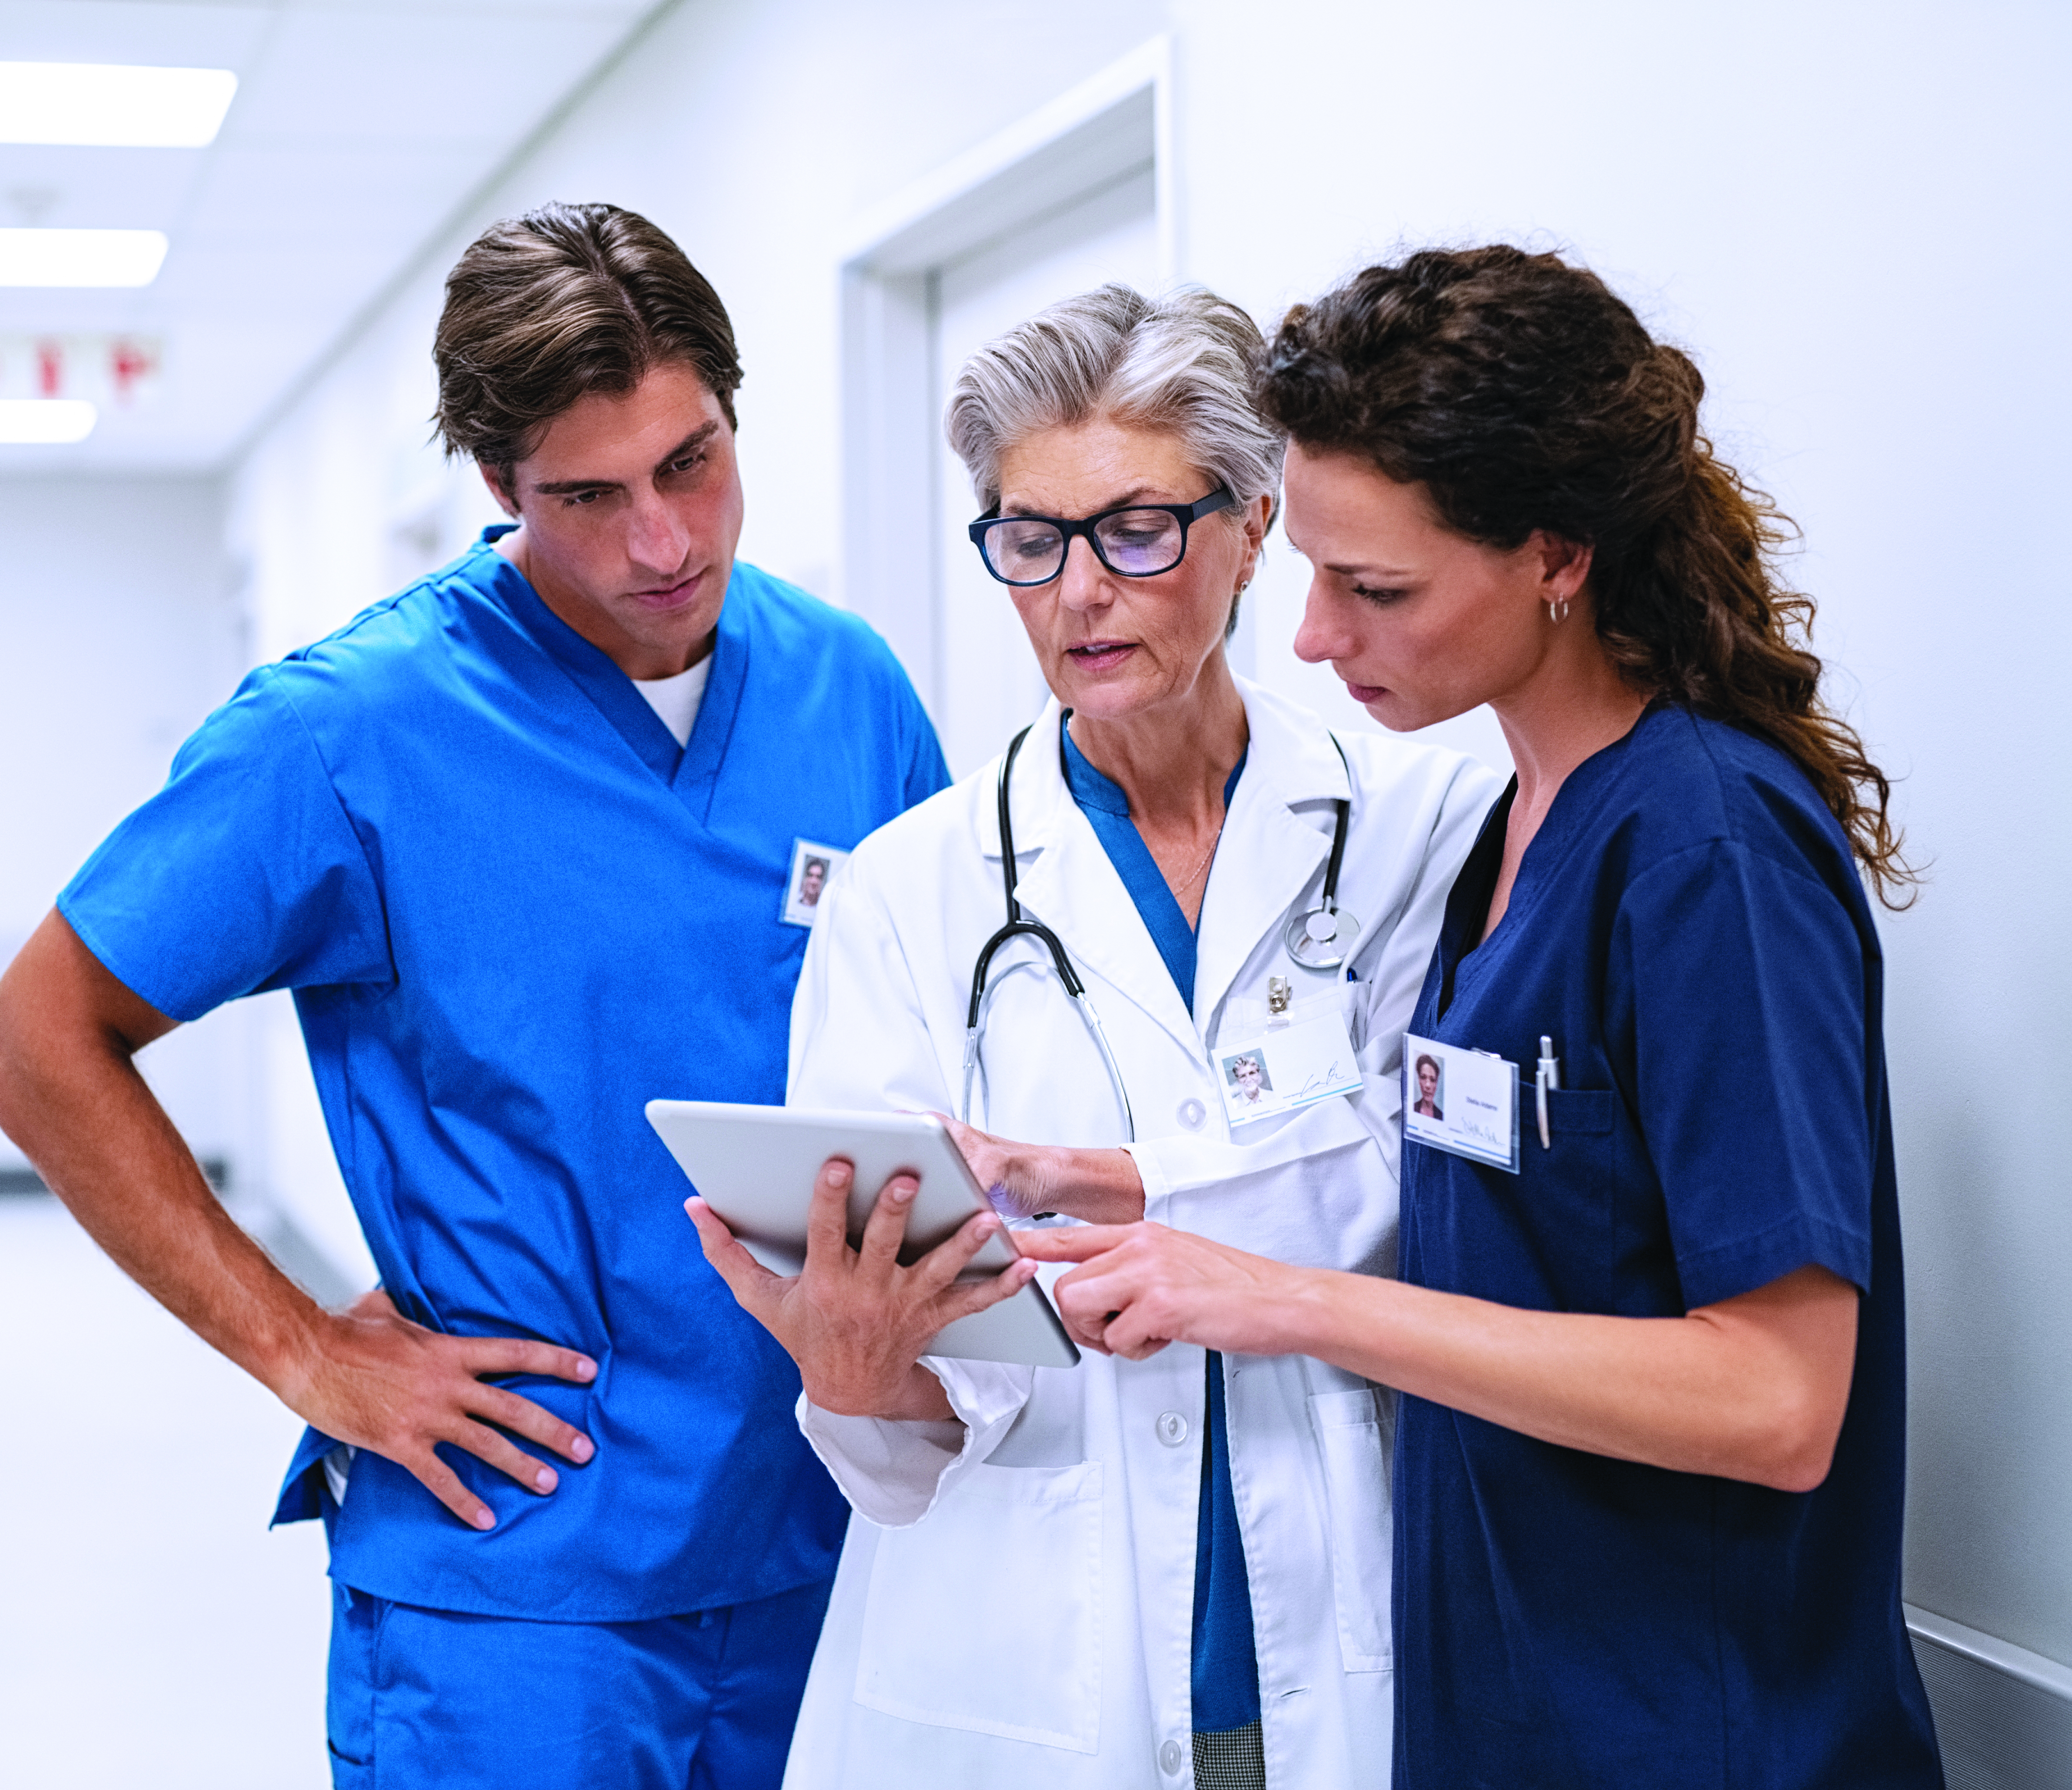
(855, 1321)
(857, 1283)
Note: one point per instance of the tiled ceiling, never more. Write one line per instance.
(358, 127)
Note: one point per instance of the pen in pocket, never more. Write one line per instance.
(1547, 1076)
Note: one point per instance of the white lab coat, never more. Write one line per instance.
(1016, 1597)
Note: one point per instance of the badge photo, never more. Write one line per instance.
(1248, 1086)
(813, 867)
(1463, 1101)
(1288, 1066)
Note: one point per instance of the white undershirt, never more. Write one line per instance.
(677, 699)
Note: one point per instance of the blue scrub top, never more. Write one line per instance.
(1224, 1677)
(512, 910)
(1689, 928)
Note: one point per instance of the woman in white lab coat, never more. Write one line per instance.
(1027, 1595)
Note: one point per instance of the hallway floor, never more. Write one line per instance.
(152, 1631)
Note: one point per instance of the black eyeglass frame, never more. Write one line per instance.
(1187, 514)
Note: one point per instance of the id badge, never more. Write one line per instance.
(1286, 1068)
(1463, 1101)
(813, 867)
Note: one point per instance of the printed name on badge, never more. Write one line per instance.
(1462, 1102)
(813, 867)
(1279, 1070)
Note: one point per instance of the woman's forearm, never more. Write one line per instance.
(1752, 1388)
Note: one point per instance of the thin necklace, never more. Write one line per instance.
(1181, 888)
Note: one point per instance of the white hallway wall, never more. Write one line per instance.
(153, 1630)
(121, 632)
(1851, 215)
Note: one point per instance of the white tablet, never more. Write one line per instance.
(755, 1167)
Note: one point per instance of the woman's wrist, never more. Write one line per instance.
(1307, 1313)
(1101, 1186)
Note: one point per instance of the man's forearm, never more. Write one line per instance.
(72, 1100)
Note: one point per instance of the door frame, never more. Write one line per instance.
(1112, 125)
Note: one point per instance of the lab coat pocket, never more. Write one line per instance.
(1353, 1431)
(986, 1615)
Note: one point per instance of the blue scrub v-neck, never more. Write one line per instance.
(1107, 809)
(692, 769)
(1225, 1676)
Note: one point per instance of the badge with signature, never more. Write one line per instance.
(1287, 1066)
(1461, 1101)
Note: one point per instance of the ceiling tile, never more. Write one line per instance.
(95, 189)
(341, 78)
(292, 192)
(358, 125)
(164, 35)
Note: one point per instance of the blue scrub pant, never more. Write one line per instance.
(424, 1698)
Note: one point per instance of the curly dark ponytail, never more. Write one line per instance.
(1523, 394)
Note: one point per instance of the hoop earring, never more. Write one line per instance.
(1557, 609)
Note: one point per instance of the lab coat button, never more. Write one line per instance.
(1172, 1431)
(1192, 1113)
(1169, 1756)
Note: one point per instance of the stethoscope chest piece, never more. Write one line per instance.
(1322, 938)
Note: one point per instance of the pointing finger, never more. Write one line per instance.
(1074, 1242)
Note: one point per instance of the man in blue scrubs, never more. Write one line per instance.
(521, 839)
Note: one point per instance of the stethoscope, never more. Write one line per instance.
(1319, 937)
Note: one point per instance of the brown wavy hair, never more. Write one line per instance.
(1523, 395)
(544, 309)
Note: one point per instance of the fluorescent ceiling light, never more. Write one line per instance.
(45, 421)
(80, 257)
(108, 105)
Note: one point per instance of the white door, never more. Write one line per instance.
(990, 685)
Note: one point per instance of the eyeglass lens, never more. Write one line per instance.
(1136, 543)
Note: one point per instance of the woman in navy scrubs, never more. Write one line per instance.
(1650, 1459)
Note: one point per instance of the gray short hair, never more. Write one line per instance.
(1182, 363)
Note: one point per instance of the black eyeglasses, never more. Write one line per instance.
(1140, 540)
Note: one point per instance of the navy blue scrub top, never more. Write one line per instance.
(1225, 1675)
(513, 910)
(1689, 928)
